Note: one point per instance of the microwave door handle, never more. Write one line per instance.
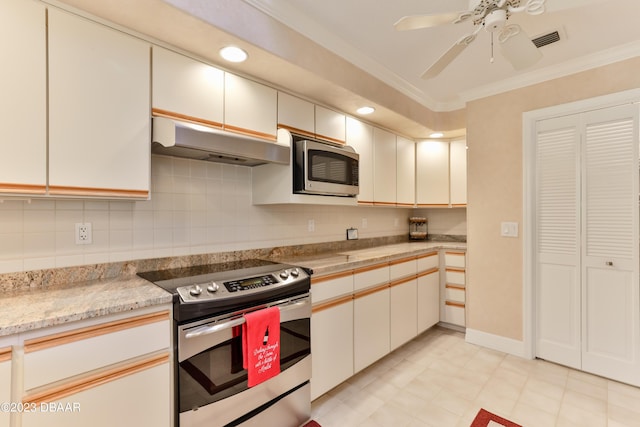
(212, 329)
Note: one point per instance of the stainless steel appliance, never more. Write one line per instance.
(324, 169)
(210, 384)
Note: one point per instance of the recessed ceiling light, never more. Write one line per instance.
(436, 135)
(365, 110)
(233, 54)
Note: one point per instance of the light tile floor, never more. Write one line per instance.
(439, 380)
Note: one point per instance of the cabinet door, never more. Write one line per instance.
(331, 345)
(23, 163)
(432, 183)
(99, 127)
(186, 89)
(296, 115)
(428, 299)
(132, 399)
(5, 383)
(384, 167)
(458, 172)
(250, 108)
(360, 137)
(406, 172)
(330, 125)
(403, 311)
(371, 326)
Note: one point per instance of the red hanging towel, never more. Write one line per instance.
(261, 344)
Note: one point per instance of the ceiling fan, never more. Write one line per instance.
(492, 15)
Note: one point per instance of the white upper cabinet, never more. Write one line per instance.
(330, 125)
(458, 172)
(296, 115)
(250, 108)
(186, 89)
(23, 163)
(384, 167)
(360, 137)
(432, 174)
(99, 105)
(406, 172)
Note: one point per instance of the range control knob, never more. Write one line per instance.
(284, 274)
(213, 287)
(195, 291)
(295, 272)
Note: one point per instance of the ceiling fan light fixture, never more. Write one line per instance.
(495, 20)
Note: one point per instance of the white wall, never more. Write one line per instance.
(196, 207)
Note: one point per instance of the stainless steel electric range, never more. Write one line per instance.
(209, 304)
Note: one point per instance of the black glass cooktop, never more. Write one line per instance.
(200, 270)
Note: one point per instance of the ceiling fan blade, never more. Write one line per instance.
(415, 22)
(517, 47)
(449, 56)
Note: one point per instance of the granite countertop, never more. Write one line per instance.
(63, 302)
(333, 262)
(27, 310)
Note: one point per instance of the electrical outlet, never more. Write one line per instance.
(83, 233)
(311, 226)
(364, 223)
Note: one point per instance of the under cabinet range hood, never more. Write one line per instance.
(181, 139)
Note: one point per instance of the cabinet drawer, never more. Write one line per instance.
(454, 293)
(82, 350)
(370, 276)
(455, 276)
(454, 313)
(328, 287)
(403, 268)
(428, 261)
(454, 259)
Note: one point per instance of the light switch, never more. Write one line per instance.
(509, 229)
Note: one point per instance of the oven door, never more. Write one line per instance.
(212, 384)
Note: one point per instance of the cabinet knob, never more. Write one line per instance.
(609, 263)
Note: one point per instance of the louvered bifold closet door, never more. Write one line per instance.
(557, 231)
(610, 298)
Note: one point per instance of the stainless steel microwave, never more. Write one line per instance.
(324, 169)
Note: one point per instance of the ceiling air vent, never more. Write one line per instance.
(546, 39)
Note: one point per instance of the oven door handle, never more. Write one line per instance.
(212, 329)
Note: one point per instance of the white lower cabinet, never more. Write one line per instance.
(331, 345)
(428, 299)
(403, 311)
(5, 383)
(371, 326)
(115, 371)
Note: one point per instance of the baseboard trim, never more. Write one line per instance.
(496, 342)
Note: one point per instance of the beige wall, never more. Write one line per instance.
(495, 194)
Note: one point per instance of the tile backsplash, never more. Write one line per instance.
(196, 207)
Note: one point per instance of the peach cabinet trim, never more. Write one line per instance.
(330, 304)
(424, 205)
(454, 253)
(250, 132)
(93, 331)
(301, 132)
(95, 380)
(401, 281)
(459, 287)
(384, 203)
(459, 205)
(427, 272)
(330, 139)
(406, 205)
(365, 202)
(370, 291)
(319, 279)
(454, 304)
(400, 261)
(183, 117)
(22, 188)
(5, 354)
(98, 192)
(455, 269)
